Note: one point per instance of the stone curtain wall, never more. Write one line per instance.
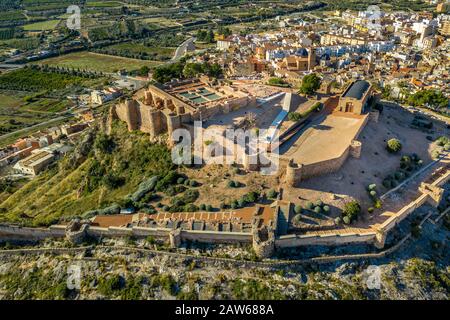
(326, 239)
(11, 233)
(377, 237)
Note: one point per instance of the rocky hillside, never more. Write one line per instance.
(101, 171)
(419, 271)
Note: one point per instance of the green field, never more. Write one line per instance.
(41, 26)
(133, 50)
(162, 21)
(9, 101)
(31, 80)
(103, 4)
(17, 112)
(97, 62)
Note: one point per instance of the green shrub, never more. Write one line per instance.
(202, 207)
(319, 203)
(297, 218)
(190, 196)
(298, 209)
(180, 180)
(107, 286)
(251, 197)
(373, 193)
(346, 220)
(190, 207)
(170, 191)
(326, 209)
(309, 205)
(378, 204)
(442, 141)
(150, 240)
(209, 208)
(178, 202)
(231, 184)
(112, 181)
(435, 154)
(393, 145)
(294, 116)
(338, 220)
(104, 143)
(371, 187)
(370, 210)
(193, 183)
(317, 209)
(399, 175)
(272, 194)
(166, 208)
(242, 202)
(168, 180)
(351, 210)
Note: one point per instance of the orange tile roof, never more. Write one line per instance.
(112, 221)
(244, 215)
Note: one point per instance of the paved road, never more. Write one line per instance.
(182, 49)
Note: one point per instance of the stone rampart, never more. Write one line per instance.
(326, 239)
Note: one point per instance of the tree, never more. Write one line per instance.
(393, 145)
(104, 143)
(294, 116)
(310, 84)
(272, 194)
(225, 31)
(201, 35)
(192, 70)
(143, 72)
(168, 72)
(214, 70)
(429, 98)
(351, 211)
(210, 36)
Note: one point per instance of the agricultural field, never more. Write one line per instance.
(31, 97)
(97, 62)
(31, 80)
(21, 44)
(18, 112)
(162, 21)
(42, 26)
(103, 4)
(139, 51)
